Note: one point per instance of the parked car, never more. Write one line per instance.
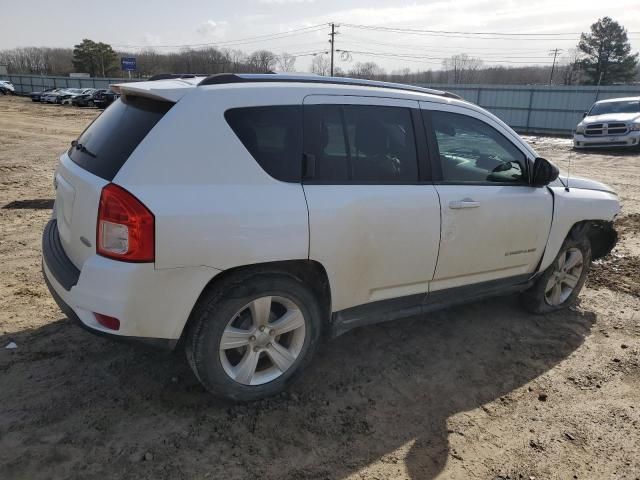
(610, 123)
(7, 88)
(52, 96)
(70, 93)
(105, 98)
(37, 96)
(248, 216)
(86, 99)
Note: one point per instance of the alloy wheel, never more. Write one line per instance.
(263, 340)
(565, 277)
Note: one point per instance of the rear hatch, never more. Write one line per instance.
(92, 162)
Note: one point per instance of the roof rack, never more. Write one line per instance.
(227, 78)
(167, 76)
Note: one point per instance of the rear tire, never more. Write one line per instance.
(561, 283)
(252, 337)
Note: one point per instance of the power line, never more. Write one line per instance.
(239, 41)
(409, 57)
(364, 41)
(454, 32)
(468, 34)
(463, 50)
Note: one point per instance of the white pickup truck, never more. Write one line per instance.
(610, 123)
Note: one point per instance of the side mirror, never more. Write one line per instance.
(544, 172)
(584, 114)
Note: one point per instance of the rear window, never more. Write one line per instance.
(273, 136)
(106, 144)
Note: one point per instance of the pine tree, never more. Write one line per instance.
(96, 59)
(607, 53)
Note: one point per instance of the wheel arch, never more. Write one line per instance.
(601, 234)
(308, 272)
(581, 211)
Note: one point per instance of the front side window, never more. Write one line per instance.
(361, 144)
(472, 151)
(273, 136)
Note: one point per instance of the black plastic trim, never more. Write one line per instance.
(61, 267)
(421, 303)
(422, 146)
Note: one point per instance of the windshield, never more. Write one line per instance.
(627, 106)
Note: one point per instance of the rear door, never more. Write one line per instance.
(101, 150)
(494, 224)
(374, 217)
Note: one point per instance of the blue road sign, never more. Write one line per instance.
(128, 64)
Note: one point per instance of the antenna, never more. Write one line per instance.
(566, 188)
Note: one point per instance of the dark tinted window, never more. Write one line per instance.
(114, 135)
(362, 143)
(472, 151)
(273, 136)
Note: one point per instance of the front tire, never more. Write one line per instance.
(252, 338)
(561, 283)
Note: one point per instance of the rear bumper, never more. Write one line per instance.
(161, 343)
(152, 305)
(630, 139)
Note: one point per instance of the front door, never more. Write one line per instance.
(494, 224)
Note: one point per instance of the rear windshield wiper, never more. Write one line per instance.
(83, 149)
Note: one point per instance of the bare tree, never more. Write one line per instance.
(570, 67)
(461, 68)
(262, 61)
(367, 70)
(321, 65)
(286, 62)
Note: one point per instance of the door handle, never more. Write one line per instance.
(466, 203)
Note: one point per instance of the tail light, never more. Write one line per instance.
(126, 228)
(111, 323)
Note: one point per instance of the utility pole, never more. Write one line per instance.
(553, 52)
(332, 42)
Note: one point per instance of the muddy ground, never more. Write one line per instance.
(481, 391)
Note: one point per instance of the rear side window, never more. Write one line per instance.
(361, 144)
(273, 136)
(104, 147)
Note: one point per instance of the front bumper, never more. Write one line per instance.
(152, 305)
(630, 139)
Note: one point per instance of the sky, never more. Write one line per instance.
(165, 25)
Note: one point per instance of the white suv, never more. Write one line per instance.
(610, 123)
(248, 216)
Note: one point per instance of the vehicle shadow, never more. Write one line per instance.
(35, 204)
(78, 405)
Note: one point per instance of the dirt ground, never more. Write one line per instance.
(482, 391)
